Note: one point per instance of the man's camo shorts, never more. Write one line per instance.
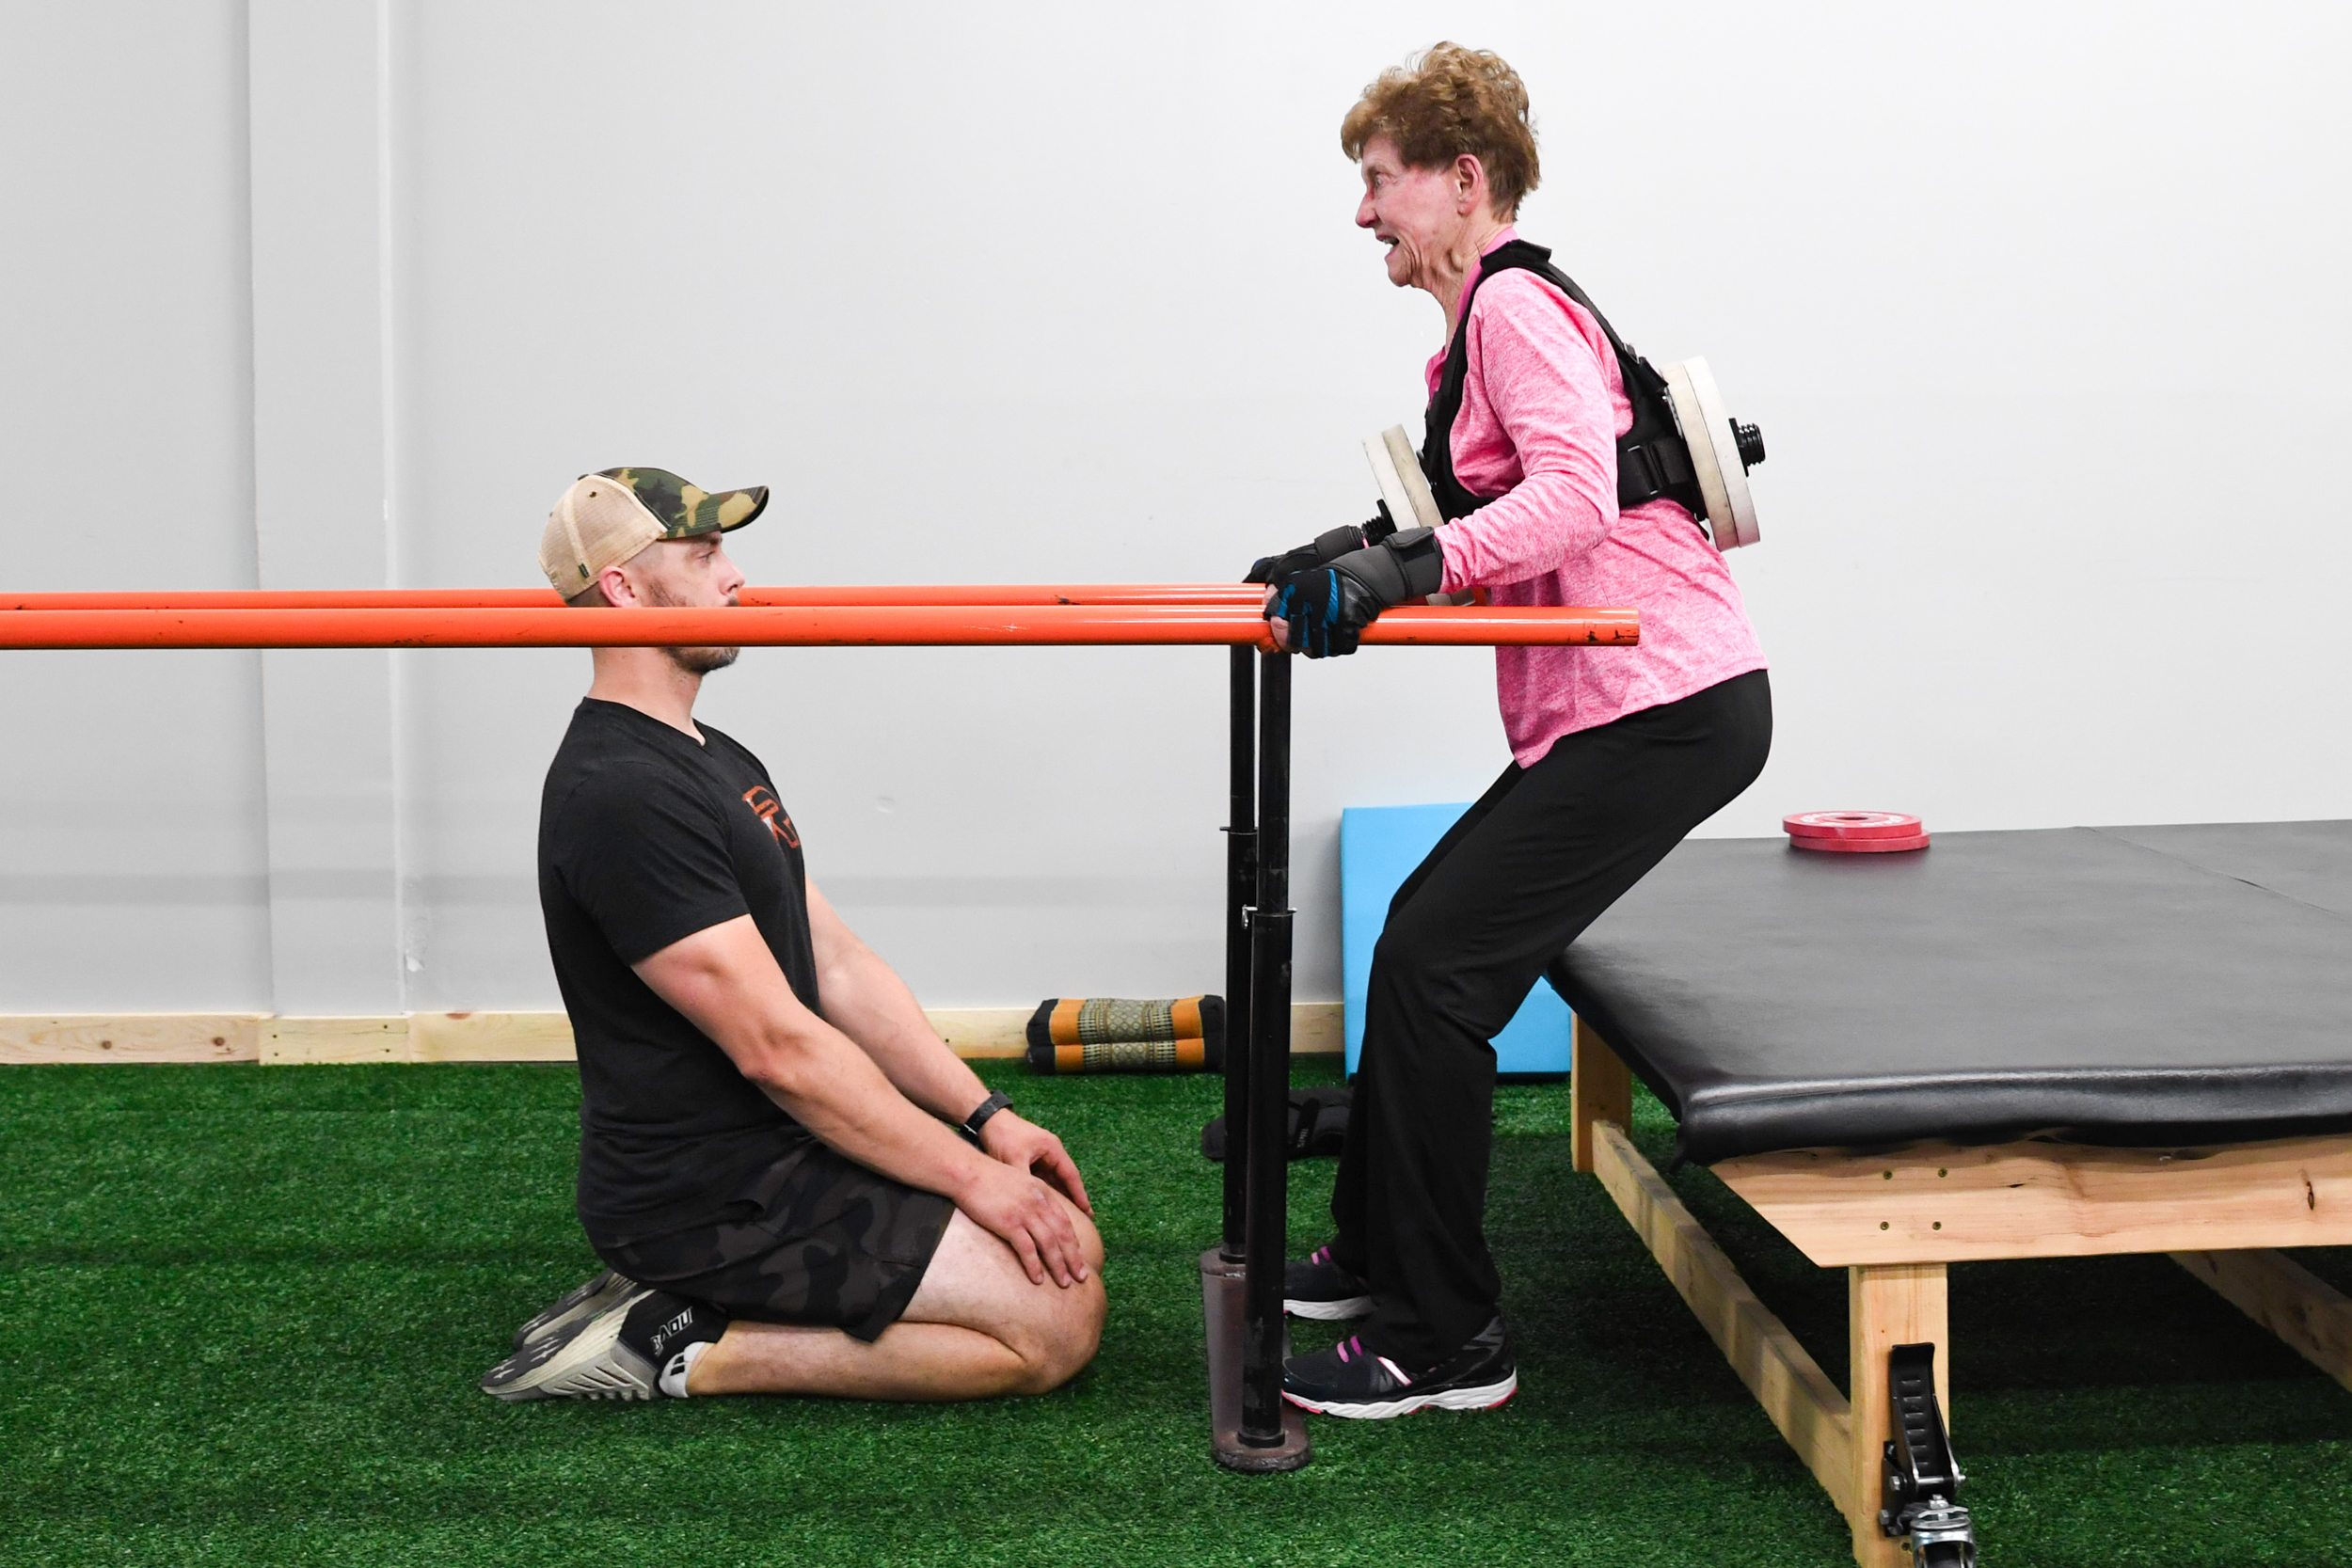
(820, 1240)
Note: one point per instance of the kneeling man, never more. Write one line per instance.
(798, 1188)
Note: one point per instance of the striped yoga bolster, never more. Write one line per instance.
(1112, 1035)
(1100, 1019)
(1187, 1055)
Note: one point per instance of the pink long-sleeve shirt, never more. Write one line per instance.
(1542, 407)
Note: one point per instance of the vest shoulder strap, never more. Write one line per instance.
(1652, 458)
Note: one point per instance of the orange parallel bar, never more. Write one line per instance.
(540, 598)
(816, 626)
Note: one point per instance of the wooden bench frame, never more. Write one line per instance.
(1893, 1220)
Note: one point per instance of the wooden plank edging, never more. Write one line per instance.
(973, 1032)
(131, 1038)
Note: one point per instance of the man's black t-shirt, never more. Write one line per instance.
(645, 838)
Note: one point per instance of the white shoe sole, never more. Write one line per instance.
(592, 1363)
(1482, 1397)
(1329, 1311)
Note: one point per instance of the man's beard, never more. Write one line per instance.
(694, 661)
(701, 661)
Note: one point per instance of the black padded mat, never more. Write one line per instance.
(2310, 860)
(2140, 985)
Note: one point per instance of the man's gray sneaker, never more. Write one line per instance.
(641, 1347)
(585, 1359)
(577, 1307)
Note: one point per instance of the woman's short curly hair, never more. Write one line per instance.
(1448, 101)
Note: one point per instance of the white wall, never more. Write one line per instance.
(133, 861)
(2038, 309)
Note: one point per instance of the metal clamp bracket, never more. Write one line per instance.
(1920, 1478)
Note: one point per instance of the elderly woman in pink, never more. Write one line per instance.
(1554, 455)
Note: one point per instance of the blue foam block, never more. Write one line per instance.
(1380, 846)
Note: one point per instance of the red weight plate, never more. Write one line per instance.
(1860, 846)
(1852, 824)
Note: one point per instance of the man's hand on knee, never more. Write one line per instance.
(1029, 1216)
(1026, 1145)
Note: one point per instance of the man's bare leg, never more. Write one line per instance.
(977, 1328)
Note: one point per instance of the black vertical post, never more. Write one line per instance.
(1241, 891)
(1265, 1238)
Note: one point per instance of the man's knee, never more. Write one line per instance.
(1058, 1348)
(976, 1282)
(1090, 1239)
(1064, 1326)
(1071, 1319)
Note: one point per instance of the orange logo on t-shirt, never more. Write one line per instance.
(771, 811)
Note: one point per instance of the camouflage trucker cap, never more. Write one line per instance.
(606, 518)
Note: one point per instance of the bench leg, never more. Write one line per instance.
(1600, 1088)
(1886, 1305)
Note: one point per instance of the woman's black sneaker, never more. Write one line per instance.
(1319, 1287)
(1355, 1380)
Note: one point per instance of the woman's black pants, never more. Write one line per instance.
(1543, 851)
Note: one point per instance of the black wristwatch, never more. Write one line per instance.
(980, 1112)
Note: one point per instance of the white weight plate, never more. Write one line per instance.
(1392, 482)
(1733, 474)
(1714, 501)
(1406, 488)
(1416, 483)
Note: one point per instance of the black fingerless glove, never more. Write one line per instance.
(1328, 606)
(1325, 548)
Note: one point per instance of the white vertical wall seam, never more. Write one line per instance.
(403, 904)
(320, 128)
(253, 499)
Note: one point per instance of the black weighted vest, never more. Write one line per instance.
(1652, 458)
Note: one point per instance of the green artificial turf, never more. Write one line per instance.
(242, 1312)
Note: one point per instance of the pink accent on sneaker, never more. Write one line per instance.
(1394, 1371)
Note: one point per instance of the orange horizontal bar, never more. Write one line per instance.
(540, 598)
(822, 625)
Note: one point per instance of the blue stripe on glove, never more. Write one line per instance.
(1326, 612)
